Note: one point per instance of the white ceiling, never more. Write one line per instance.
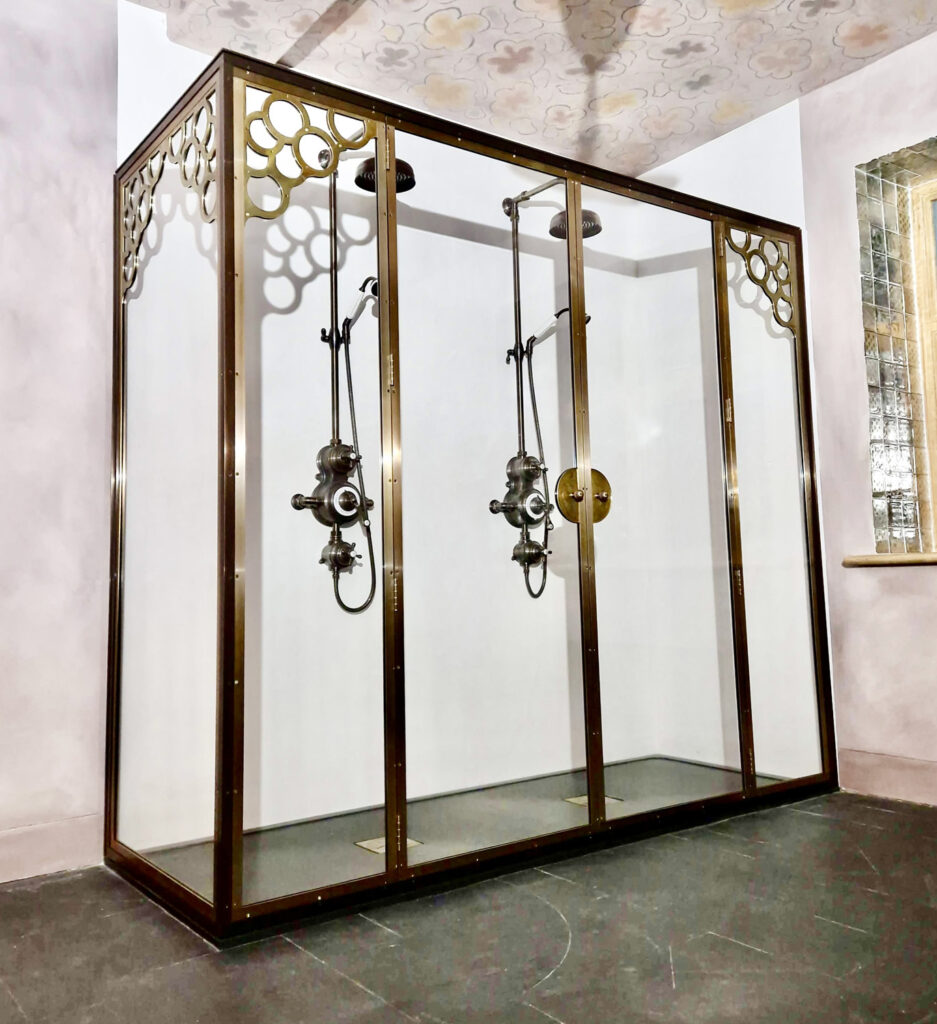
(626, 84)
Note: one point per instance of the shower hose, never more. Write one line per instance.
(365, 518)
(547, 524)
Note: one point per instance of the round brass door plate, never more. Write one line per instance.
(569, 499)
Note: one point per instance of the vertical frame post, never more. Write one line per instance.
(812, 516)
(733, 518)
(118, 476)
(595, 765)
(229, 770)
(395, 771)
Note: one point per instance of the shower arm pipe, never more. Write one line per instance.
(518, 340)
(522, 197)
(334, 339)
(511, 208)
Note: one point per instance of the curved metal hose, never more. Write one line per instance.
(547, 524)
(365, 519)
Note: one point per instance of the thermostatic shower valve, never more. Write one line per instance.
(523, 505)
(335, 502)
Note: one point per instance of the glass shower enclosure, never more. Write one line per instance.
(463, 506)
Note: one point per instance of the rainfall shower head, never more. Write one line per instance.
(591, 224)
(365, 177)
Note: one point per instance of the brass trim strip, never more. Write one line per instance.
(394, 695)
(811, 513)
(465, 137)
(733, 515)
(592, 698)
(118, 477)
(230, 754)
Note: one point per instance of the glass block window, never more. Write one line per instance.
(897, 431)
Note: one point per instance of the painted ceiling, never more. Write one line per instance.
(625, 84)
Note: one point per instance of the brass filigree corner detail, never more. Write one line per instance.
(190, 146)
(768, 265)
(278, 140)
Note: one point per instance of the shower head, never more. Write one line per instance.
(365, 176)
(591, 224)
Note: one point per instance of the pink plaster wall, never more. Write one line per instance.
(57, 148)
(883, 621)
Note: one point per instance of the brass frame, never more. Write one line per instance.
(225, 919)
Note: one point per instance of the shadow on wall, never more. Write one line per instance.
(168, 204)
(595, 31)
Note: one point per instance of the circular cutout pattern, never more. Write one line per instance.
(767, 261)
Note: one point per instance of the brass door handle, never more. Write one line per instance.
(602, 496)
(577, 495)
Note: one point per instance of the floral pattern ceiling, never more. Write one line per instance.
(625, 84)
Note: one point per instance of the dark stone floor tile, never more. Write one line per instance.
(10, 1012)
(43, 903)
(464, 957)
(875, 811)
(67, 963)
(269, 982)
(904, 970)
(813, 912)
(737, 984)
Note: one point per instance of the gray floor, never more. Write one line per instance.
(823, 911)
(313, 854)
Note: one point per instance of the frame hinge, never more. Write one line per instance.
(390, 369)
(728, 410)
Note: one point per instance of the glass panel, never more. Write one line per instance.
(313, 712)
(166, 770)
(495, 736)
(663, 591)
(774, 553)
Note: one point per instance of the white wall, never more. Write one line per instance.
(313, 673)
(60, 68)
(756, 168)
(884, 645)
(167, 709)
(152, 73)
(662, 580)
(777, 586)
(494, 688)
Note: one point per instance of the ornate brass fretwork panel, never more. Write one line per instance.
(768, 264)
(287, 147)
(190, 146)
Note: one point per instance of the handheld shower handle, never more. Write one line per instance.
(366, 294)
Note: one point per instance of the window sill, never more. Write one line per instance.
(884, 559)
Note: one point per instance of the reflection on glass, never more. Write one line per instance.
(663, 593)
(771, 503)
(495, 737)
(166, 769)
(313, 687)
